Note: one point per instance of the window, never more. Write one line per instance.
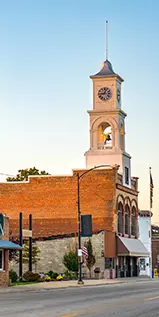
(120, 218)
(126, 175)
(127, 219)
(109, 263)
(1, 259)
(142, 264)
(133, 221)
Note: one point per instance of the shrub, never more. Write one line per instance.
(31, 277)
(70, 275)
(91, 258)
(59, 278)
(70, 260)
(47, 278)
(13, 276)
(52, 274)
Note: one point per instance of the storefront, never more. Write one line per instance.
(129, 252)
(5, 246)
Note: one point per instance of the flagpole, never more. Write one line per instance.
(150, 188)
(150, 177)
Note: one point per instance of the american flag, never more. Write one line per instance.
(85, 253)
(151, 188)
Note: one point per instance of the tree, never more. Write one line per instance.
(91, 258)
(24, 173)
(70, 260)
(25, 254)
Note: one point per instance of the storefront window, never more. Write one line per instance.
(109, 263)
(1, 259)
(142, 264)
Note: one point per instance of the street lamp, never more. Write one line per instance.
(79, 176)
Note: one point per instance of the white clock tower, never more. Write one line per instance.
(107, 124)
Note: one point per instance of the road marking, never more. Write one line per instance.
(151, 298)
(69, 315)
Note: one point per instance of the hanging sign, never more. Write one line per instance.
(1, 224)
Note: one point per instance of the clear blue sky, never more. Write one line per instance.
(48, 49)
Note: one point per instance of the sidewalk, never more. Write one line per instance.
(66, 284)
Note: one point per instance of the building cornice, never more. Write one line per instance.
(127, 190)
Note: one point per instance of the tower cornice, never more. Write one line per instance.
(107, 112)
(113, 76)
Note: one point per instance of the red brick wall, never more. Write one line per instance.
(155, 250)
(53, 202)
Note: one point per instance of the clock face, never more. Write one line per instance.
(104, 93)
(118, 95)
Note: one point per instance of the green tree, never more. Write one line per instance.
(91, 258)
(24, 173)
(70, 260)
(25, 254)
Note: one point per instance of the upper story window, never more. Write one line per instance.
(127, 219)
(1, 259)
(133, 221)
(120, 218)
(126, 175)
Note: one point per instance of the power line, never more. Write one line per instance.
(7, 174)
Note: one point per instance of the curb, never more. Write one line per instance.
(21, 289)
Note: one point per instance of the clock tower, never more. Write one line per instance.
(107, 123)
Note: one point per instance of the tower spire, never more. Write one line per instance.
(106, 40)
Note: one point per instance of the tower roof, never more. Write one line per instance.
(106, 70)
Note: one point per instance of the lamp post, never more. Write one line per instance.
(79, 176)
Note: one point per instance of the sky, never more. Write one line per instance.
(48, 50)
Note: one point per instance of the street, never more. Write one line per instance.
(130, 299)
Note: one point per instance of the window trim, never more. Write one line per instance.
(133, 221)
(2, 252)
(120, 218)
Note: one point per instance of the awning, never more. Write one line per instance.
(6, 244)
(131, 247)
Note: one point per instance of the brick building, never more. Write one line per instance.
(155, 246)
(52, 201)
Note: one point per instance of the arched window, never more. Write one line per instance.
(133, 221)
(127, 219)
(120, 218)
(104, 136)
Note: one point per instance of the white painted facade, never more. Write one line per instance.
(144, 221)
(107, 125)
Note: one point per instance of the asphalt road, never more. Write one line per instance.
(140, 299)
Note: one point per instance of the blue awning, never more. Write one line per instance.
(6, 244)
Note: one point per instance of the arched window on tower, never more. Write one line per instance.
(104, 136)
(120, 218)
(133, 221)
(127, 219)
(107, 137)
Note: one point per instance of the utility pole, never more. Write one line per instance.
(21, 244)
(30, 244)
(79, 176)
